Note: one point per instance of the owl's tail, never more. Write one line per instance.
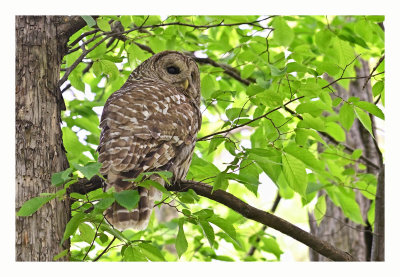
(138, 218)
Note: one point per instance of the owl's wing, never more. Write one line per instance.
(143, 124)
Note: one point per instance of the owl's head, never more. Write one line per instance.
(174, 68)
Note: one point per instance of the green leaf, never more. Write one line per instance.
(60, 255)
(315, 108)
(335, 131)
(356, 154)
(378, 88)
(215, 141)
(97, 68)
(247, 70)
(133, 254)
(208, 85)
(303, 134)
(336, 101)
(349, 205)
(87, 233)
(295, 173)
(343, 52)
(103, 25)
(104, 204)
(208, 231)
(304, 155)
(225, 226)
(89, 170)
(181, 244)
(127, 198)
(221, 182)
(148, 183)
(376, 18)
(72, 144)
(271, 245)
(323, 39)
(61, 177)
(276, 71)
(109, 68)
(320, 209)
(72, 225)
(312, 122)
(75, 78)
(371, 108)
(126, 20)
(151, 252)
(346, 116)
(204, 214)
(364, 119)
(89, 20)
(282, 33)
(77, 195)
(33, 204)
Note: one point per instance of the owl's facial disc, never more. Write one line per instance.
(179, 71)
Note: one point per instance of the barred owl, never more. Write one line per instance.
(150, 124)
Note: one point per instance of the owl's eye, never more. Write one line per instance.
(173, 70)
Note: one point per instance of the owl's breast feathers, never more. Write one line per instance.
(144, 125)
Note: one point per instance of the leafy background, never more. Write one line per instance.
(251, 67)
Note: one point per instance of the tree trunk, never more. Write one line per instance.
(335, 227)
(40, 46)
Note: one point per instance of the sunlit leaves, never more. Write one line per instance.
(181, 244)
(89, 170)
(295, 173)
(269, 244)
(364, 119)
(305, 156)
(346, 116)
(282, 33)
(343, 52)
(371, 108)
(259, 76)
(61, 177)
(103, 24)
(320, 209)
(107, 67)
(73, 225)
(87, 233)
(208, 231)
(151, 252)
(33, 204)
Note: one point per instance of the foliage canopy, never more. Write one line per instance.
(266, 108)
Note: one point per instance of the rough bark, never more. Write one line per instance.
(40, 46)
(335, 227)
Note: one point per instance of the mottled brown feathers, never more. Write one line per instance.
(150, 124)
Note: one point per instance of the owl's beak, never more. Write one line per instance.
(185, 84)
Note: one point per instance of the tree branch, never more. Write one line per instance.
(250, 212)
(270, 220)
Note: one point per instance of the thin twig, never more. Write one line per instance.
(373, 70)
(105, 250)
(95, 235)
(250, 121)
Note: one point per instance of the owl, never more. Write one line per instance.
(149, 124)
